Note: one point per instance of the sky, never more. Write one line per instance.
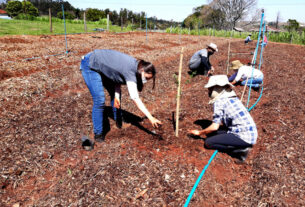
(178, 10)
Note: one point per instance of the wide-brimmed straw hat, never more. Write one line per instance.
(236, 64)
(218, 80)
(213, 46)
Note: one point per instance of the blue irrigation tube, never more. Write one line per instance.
(257, 100)
(262, 48)
(199, 178)
(146, 27)
(63, 14)
(255, 55)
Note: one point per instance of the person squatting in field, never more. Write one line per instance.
(248, 39)
(200, 61)
(110, 69)
(244, 72)
(240, 132)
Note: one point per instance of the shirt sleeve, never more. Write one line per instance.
(132, 90)
(218, 112)
(239, 74)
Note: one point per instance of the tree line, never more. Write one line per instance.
(122, 18)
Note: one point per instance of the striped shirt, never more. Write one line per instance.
(232, 113)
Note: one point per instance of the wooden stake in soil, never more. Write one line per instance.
(85, 24)
(50, 20)
(179, 92)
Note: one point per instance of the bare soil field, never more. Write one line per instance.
(45, 108)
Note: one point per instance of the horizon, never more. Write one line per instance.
(178, 10)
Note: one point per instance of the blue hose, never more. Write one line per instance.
(199, 178)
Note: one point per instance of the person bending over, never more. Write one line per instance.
(242, 72)
(110, 69)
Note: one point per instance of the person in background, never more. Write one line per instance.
(264, 41)
(200, 61)
(110, 69)
(242, 72)
(240, 132)
(248, 39)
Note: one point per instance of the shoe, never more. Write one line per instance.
(241, 155)
(256, 88)
(87, 144)
(99, 137)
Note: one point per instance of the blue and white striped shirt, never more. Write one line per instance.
(232, 113)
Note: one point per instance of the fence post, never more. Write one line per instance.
(85, 24)
(146, 27)
(63, 14)
(107, 22)
(121, 23)
(50, 20)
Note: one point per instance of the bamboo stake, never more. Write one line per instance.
(228, 62)
(179, 92)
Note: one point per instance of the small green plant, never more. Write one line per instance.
(176, 79)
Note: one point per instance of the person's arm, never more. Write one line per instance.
(117, 96)
(238, 75)
(134, 95)
(213, 127)
(154, 122)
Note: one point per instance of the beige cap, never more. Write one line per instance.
(236, 64)
(213, 46)
(219, 80)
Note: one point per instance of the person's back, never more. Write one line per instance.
(246, 71)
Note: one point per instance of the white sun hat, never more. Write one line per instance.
(213, 46)
(219, 80)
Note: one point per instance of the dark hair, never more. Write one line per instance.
(148, 68)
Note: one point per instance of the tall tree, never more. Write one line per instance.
(278, 19)
(234, 10)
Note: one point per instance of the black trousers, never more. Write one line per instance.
(225, 142)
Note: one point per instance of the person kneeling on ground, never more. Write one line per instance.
(242, 72)
(248, 39)
(110, 69)
(241, 133)
(200, 61)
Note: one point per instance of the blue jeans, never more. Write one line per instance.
(255, 82)
(94, 81)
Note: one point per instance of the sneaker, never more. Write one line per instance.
(99, 137)
(87, 144)
(241, 154)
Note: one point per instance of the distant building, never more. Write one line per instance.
(4, 15)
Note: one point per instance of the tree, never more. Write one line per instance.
(29, 9)
(293, 25)
(14, 8)
(277, 20)
(233, 10)
(93, 14)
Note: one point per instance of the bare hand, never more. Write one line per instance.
(194, 132)
(117, 103)
(155, 122)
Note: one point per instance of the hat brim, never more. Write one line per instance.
(216, 50)
(213, 84)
